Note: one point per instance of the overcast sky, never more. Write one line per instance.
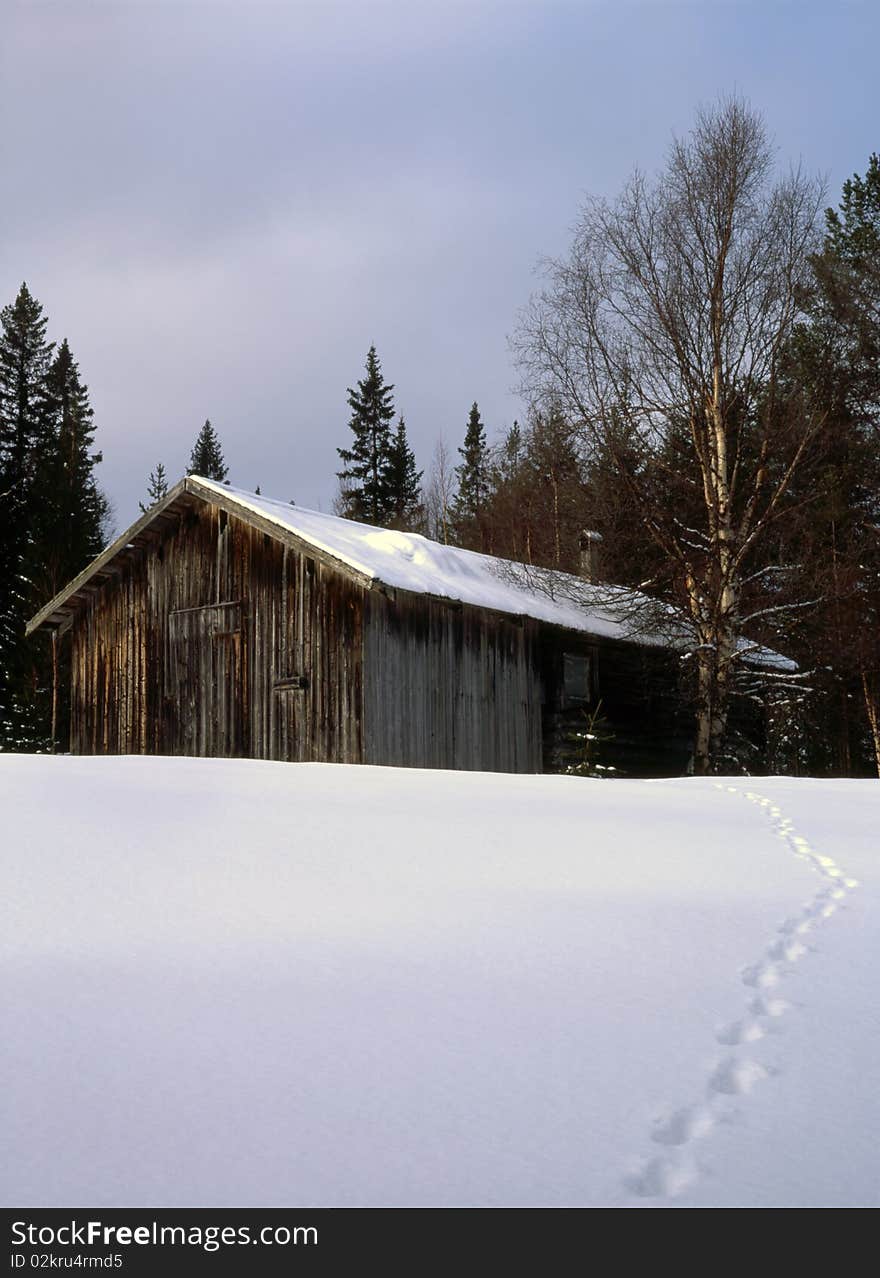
(222, 204)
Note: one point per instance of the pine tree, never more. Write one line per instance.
(24, 361)
(510, 497)
(365, 490)
(473, 485)
(206, 458)
(835, 548)
(79, 508)
(66, 526)
(157, 487)
(404, 483)
(554, 458)
(853, 233)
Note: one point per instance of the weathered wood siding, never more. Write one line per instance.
(447, 686)
(220, 640)
(208, 679)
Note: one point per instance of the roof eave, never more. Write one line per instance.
(57, 611)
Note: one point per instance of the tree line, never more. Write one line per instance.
(520, 497)
(206, 459)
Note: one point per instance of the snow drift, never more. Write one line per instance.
(242, 983)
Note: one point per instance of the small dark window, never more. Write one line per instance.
(576, 677)
(223, 520)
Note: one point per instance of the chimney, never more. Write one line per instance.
(589, 544)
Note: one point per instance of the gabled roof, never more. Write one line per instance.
(386, 559)
(411, 562)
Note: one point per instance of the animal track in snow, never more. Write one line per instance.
(745, 1031)
(789, 951)
(763, 976)
(663, 1178)
(737, 1075)
(684, 1125)
(772, 1007)
(798, 926)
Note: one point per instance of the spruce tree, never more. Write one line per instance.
(365, 486)
(79, 508)
(157, 487)
(206, 458)
(508, 507)
(68, 515)
(404, 483)
(833, 551)
(24, 361)
(853, 232)
(473, 485)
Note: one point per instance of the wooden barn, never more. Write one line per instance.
(226, 624)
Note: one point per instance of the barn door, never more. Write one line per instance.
(209, 680)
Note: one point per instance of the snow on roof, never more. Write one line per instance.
(409, 561)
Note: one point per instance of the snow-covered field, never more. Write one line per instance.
(240, 983)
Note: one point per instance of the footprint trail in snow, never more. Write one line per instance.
(668, 1174)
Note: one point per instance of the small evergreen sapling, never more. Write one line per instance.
(587, 743)
(157, 487)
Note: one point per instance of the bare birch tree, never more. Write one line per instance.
(439, 492)
(664, 329)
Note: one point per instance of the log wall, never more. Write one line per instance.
(220, 640)
(449, 687)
